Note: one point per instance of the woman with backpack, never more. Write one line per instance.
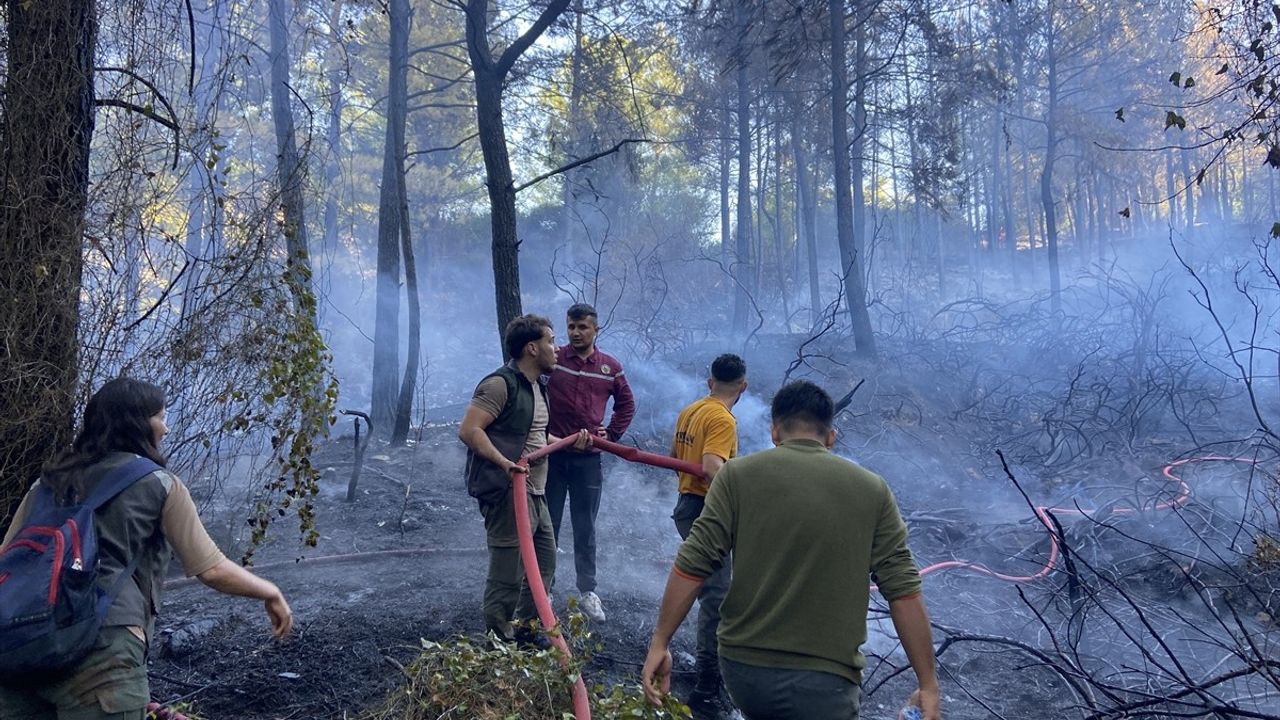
(136, 529)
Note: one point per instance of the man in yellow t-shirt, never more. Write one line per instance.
(707, 434)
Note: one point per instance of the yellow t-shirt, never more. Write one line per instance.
(704, 427)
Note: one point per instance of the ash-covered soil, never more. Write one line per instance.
(411, 565)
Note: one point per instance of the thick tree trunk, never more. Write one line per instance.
(489, 74)
(502, 199)
(386, 329)
(399, 62)
(851, 265)
(44, 151)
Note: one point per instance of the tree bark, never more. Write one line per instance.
(489, 73)
(858, 144)
(409, 383)
(333, 131)
(726, 157)
(386, 330)
(808, 215)
(289, 167)
(851, 266)
(1050, 156)
(742, 267)
(573, 142)
(44, 150)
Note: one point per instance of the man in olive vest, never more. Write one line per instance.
(507, 419)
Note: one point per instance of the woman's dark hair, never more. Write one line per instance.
(117, 419)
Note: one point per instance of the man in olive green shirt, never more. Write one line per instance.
(806, 529)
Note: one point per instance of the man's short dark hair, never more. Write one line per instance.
(522, 331)
(802, 403)
(582, 311)
(728, 368)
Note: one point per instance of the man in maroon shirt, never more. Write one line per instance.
(581, 384)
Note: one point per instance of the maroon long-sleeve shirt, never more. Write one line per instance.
(578, 391)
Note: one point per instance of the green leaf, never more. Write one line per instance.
(1188, 83)
(1223, 70)
(1275, 230)
(1176, 78)
(1120, 114)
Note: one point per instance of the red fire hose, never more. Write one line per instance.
(1042, 514)
(581, 706)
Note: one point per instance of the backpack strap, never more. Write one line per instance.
(119, 480)
(106, 599)
(116, 482)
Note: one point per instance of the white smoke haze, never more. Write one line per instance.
(1087, 306)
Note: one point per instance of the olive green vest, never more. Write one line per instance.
(508, 432)
(129, 526)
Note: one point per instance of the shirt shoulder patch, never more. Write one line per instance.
(605, 369)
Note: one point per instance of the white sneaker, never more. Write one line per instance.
(591, 605)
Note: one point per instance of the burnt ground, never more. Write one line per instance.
(419, 564)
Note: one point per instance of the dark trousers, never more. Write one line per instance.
(714, 588)
(763, 693)
(579, 477)
(506, 593)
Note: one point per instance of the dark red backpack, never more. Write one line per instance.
(51, 607)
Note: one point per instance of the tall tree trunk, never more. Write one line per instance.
(44, 147)
(573, 141)
(489, 74)
(858, 144)
(726, 156)
(206, 193)
(408, 383)
(1010, 225)
(1050, 157)
(502, 199)
(386, 329)
(333, 131)
(913, 146)
(808, 214)
(851, 265)
(1055, 282)
(742, 268)
(784, 287)
(400, 65)
(289, 167)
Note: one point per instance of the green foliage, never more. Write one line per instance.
(495, 680)
(300, 400)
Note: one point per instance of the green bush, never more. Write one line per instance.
(492, 680)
